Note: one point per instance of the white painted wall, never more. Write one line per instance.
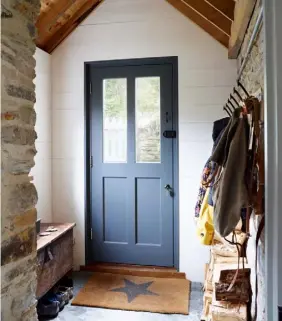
(42, 169)
(122, 29)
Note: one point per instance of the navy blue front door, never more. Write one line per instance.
(131, 184)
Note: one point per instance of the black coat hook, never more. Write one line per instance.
(243, 88)
(237, 93)
(232, 97)
(228, 112)
(230, 102)
(229, 108)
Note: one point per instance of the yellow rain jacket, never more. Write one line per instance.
(205, 228)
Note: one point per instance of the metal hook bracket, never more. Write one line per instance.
(230, 102)
(229, 114)
(228, 110)
(233, 98)
(243, 88)
(237, 93)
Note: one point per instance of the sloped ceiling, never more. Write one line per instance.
(214, 16)
(58, 18)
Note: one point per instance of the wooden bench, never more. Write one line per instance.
(55, 256)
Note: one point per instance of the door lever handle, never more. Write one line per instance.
(168, 187)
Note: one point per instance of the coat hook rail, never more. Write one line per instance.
(229, 107)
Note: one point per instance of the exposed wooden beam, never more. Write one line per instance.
(51, 12)
(211, 14)
(224, 6)
(59, 18)
(71, 24)
(201, 21)
(242, 15)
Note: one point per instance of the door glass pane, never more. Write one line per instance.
(114, 121)
(147, 114)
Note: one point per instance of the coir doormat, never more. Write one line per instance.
(125, 292)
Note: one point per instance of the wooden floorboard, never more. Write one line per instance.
(136, 270)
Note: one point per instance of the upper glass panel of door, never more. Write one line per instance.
(115, 120)
(147, 120)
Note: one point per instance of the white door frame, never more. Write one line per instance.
(273, 154)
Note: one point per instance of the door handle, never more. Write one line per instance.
(168, 187)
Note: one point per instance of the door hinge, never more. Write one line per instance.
(90, 87)
(91, 161)
(91, 234)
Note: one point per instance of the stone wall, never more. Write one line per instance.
(19, 196)
(253, 80)
(253, 74)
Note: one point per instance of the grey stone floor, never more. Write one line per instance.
(74, 313)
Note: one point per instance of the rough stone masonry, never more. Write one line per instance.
(19, 196)
(253, 80)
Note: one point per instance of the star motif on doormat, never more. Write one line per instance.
(133, 290)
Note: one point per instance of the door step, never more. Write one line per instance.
(135, 270)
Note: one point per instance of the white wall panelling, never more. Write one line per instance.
(124, 29)
(42, 169)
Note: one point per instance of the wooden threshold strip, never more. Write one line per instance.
(135, 270)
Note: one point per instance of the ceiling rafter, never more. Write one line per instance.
(209, 12)
(59, 19)
(226, 7)
(72, 23)
(50, 12)
(201, 20)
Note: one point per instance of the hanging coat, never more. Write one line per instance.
(218, 127)
(229, 191)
